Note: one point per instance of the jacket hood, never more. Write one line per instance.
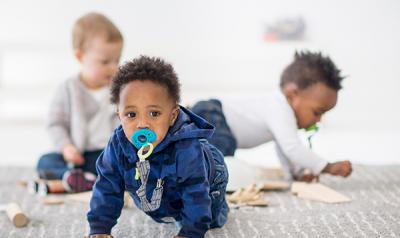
(187, 126)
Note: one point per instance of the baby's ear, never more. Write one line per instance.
(117, 112)
(290, 90)
(78, 55)
(175, 114)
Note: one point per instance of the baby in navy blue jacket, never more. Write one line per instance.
(184, 178)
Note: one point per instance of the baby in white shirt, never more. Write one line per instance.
(309, 87)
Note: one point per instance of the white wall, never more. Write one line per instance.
(215, 46)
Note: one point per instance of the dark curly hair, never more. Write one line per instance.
(310, 68)
(143, 68)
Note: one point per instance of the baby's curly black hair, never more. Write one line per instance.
(146, 68)
(310, 68)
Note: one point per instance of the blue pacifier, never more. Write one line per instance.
(143, 137)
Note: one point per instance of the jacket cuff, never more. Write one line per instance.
(191, 233)
(100, 228)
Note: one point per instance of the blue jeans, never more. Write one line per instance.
(53, 165)
(222, 138)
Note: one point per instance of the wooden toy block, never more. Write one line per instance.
(15, 214)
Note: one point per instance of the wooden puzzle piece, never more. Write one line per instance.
(51, 200)
(275, 185)
(318, 192)
(86, 196)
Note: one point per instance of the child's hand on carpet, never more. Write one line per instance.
(341, 168)
(71, 154)
(308, 178)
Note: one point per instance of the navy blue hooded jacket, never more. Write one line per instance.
(179, 160)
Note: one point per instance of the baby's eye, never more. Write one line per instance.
(105, 62)
(131, 114)
(154, 114)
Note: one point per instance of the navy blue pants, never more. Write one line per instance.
(219, 181)
(222, 138)
(219, 207)
(53, 165)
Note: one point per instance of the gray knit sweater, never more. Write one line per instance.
(73, 115)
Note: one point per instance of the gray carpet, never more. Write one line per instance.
(374, 212)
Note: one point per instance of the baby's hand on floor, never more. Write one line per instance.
(307, 178)
(341, 168)
(71, 154)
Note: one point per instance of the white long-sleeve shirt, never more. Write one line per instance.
(257, 119)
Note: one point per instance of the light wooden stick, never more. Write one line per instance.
(16, 216)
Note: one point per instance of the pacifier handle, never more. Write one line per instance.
(148, 153)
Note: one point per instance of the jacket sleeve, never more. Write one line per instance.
(194, 189)
(58, 124)
(108, 192)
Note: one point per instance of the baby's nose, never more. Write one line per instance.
(142, 124)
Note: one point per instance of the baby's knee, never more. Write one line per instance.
(49, 160)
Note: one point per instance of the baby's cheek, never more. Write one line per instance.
(160, 137)
(128, 132)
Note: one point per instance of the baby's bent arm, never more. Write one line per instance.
(290, 146)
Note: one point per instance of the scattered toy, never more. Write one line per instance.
(318, 192)
(50, 200)
(15, 214)
(251, 196)
(86, 196)
(275, 185)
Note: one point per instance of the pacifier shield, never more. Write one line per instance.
(142, 137)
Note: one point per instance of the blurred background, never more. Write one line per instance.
(217, 48)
